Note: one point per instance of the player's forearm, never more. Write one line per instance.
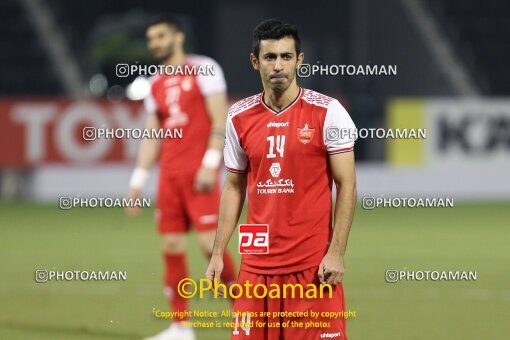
(217, 107)
(344, 211)
(214, 153)
(231, 205)
(217, 136)
(147, 153)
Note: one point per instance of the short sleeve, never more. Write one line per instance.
(149, 104)
(212, 83)
(233, 153)
(339, 129)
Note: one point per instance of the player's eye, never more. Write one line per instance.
(269, 57)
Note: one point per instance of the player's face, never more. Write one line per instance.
(163, 40)
(277, 63)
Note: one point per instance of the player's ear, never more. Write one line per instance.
(180, 37)
(300, 58)
(254, 62)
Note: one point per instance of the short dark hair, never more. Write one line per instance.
(274, 29)
(167, 19)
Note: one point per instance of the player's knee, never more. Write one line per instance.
(206, 248)
(175, 244)
(206, 241)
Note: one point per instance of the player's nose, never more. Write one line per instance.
(278, 65)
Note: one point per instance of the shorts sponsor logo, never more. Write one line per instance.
(331, 335)
(206, 219)
(253, 239)
(305, 134)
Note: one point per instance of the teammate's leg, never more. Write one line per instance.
(173, 226)
(174, 257)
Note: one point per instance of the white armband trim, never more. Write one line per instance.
(212, 159)
(138, 178)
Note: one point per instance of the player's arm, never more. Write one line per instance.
(214, 89)
(231, 205)
(232, 197)
(341, 161)
(148, 152)
(216, 105)
(217, 108)
(332, 268)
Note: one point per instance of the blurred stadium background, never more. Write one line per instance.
(58, 74)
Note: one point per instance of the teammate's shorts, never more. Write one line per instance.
(179, 205)
(322, 327)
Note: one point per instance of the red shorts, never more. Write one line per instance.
(179, 205)
(311, 328)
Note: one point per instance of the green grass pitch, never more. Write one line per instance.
(467, 237)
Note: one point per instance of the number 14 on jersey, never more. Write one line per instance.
(278, 142)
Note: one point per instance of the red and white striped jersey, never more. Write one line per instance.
(285, 156)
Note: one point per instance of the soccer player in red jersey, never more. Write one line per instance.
(285, 146)
(188, 190)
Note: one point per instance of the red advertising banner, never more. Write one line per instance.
(34, 132)
(51, 131)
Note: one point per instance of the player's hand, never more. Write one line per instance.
(214, 271)
(134, 194)
(331, 269)
(205, 179)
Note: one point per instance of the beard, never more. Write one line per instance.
(166, 53)
(279, 87)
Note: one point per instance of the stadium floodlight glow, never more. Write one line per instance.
(98, 84)
(115, 93)
(138, 89)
